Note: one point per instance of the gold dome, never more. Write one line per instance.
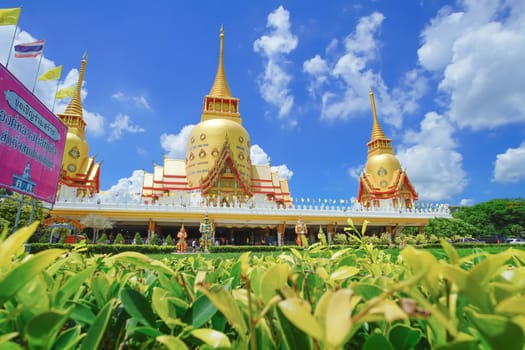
(382, 169)
(205, 144)
(75, 156)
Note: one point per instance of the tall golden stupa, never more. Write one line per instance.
(383, 182)
(79, 173)
(218, 164)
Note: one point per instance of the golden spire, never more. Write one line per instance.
(74, 108)
(377, 132)
(220, 85)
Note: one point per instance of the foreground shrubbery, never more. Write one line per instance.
(315, 299)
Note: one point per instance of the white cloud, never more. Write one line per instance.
(25, 71)
(284, 172)
(466, 202)
(121, 125)
(431, 161)
(259, 156)
(130, 187)
(137, 101)
(479, 52)
(508, 167)
(344, 77)
(355, 172)
(175, 145)
(274, 83)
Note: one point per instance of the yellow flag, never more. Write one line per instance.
(66, 92)
(9, 16)
(52, 74)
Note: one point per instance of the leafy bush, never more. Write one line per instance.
(102, 239)
(154, 239)
(137, 239)
(317, 298)
(119, 239)
(168, 240)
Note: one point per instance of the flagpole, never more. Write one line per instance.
(38, 69)
(11, 47)
(55, 99)
(13, 41)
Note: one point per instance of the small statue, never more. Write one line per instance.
(300, 231)
(181, 244)
(205, 230)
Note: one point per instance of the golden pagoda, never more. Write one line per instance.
(218, 164)
(383, 182)
(79, 171)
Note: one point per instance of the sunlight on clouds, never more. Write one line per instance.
(274, 82)
(429, 157)
(259, 156)
(284, 172)
(137, 101)
(175, 145)
(131, 186)
(343, 81)
(481, 61)
(122, 125)
(509, 166)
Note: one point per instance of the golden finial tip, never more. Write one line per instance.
(222, 30)
(84, 57)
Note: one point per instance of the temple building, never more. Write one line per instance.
(240, 202)
(383, 182)
(80, 174)
(218, 168)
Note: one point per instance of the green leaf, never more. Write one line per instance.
(15, 244)
(42, 329)
(404, 337)
(498, 331)
(377, 341)
(96, 331)
(453, 255)
(202, 310)
(137, 306)
(223, 300)
(297, 311)
(164, 307)
(22, 274)
(344, 272)
(275, 277)
(68, 339)
(338, 322)
(4, 338)
(367, 290)
(83, 314)
(212, 337)
(72, 285)
(172, 343)
(340, 253)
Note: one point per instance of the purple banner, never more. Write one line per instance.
(32, 141)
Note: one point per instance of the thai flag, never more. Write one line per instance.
(30, 49)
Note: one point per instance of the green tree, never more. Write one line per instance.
(154, 240)
(442, 227)
(9, 203)
(119, 239)
(137, 239)
(97, 223)
(497, 216)
(168, 240)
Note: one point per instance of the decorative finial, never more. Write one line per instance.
(377, 132)
(220, 85)
(74, 107)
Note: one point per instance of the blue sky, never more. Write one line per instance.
(448, 78)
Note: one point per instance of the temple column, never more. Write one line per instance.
(421, 229)
(280, 233)
(151, 229)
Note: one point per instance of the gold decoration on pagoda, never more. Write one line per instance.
(78, 169)
(383, 179)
